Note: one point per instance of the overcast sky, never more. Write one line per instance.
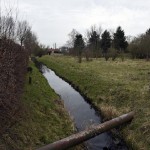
(52, 20)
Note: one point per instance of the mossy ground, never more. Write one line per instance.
(44, 120)
(115, 87)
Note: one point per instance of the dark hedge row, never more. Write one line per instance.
(13, 64)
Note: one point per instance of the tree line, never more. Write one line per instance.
(19, 32)
(140, 46)
(108, 44)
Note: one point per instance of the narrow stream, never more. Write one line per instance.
(82, 112)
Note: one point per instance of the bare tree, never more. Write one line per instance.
(92, 41)
(30, 42)
(7, 27)
(72, 36)
(22, 30)
(8, 23)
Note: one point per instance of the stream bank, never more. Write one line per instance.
(77, 105)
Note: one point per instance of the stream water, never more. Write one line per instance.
(83, 114)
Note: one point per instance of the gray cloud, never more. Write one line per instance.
(53, 20)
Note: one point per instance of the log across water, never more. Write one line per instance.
(89, 133)
(83, 114)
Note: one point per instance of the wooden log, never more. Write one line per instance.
(87, 134)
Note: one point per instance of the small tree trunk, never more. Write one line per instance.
(106, 56)
(114, 56)
(122, 56)
(87, 56)
(80, 59)
(147, 57)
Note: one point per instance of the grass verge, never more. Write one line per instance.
(114, 88)
(45, 119)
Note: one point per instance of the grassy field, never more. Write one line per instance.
(45, 118)
(115, 88)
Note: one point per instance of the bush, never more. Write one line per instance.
(13, 64)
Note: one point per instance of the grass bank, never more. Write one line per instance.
(114, 88)
(45, 118)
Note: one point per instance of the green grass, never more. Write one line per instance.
(45, 119)
(115, 88)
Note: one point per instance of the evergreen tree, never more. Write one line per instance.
(148, 32)
(120, 42)
(78, 46)
(94, 42)
(105, 43)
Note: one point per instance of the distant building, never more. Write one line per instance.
(64, 49)
(52, 51)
